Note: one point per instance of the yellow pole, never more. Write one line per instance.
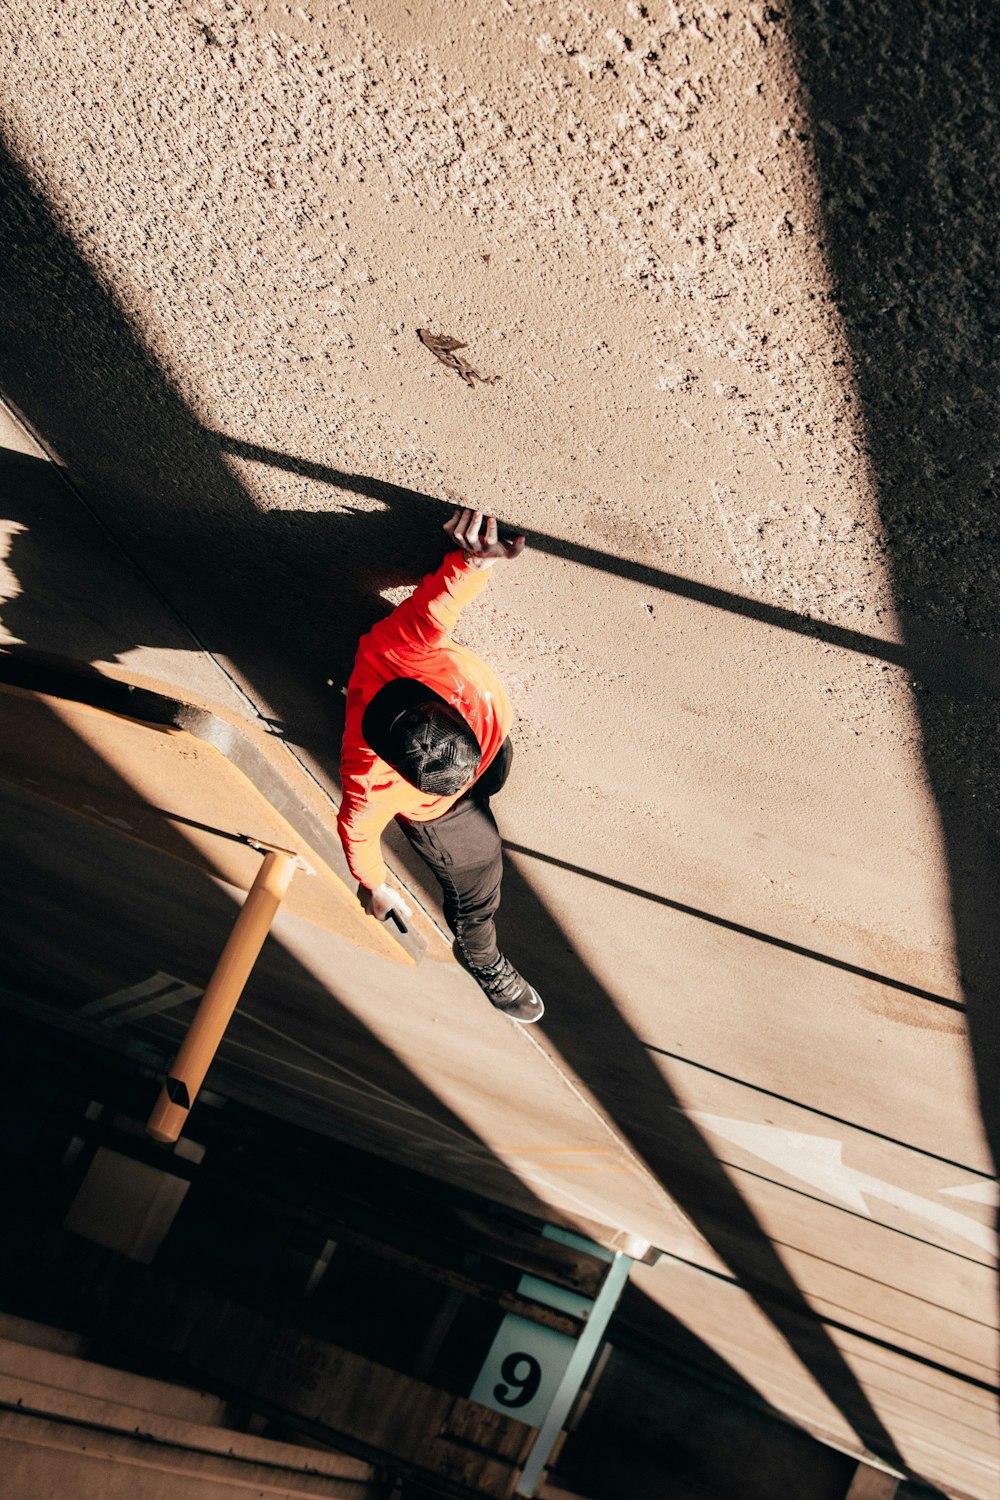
(219, 1000)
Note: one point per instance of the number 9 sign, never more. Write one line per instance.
(524, 1374)
(522, 1371)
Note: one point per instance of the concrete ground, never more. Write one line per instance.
(730, 267)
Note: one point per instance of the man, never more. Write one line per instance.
(426, 743)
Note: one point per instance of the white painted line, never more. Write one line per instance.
(156, 984)
(156, 1006)
(106, 817)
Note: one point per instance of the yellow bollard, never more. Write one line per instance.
(220, 998)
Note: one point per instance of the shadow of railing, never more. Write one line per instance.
(968, 666)
(728, 925)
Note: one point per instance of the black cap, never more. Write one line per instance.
(422, 736)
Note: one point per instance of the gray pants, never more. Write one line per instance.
(463, 849)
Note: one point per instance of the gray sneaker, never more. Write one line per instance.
(507, 992)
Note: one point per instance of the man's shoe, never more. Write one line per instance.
(507, 992)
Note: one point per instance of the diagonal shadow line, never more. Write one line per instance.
(853, 1213)
(738, 927)
(594, 1040)
(647, 1324)
(967, 666)
(822, 1114)
(863, 1336)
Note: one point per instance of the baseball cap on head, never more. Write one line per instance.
(422, 737)
(434, 748)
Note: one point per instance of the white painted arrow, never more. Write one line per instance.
(987, 1191)
(816, 1159)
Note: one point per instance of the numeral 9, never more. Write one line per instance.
(527, 1383)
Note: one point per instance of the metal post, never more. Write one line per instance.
(580, 1361)
(219, 1000)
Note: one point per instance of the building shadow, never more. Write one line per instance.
(906, 137)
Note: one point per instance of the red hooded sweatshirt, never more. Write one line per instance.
(414, 641)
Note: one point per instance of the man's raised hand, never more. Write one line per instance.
(477, 536)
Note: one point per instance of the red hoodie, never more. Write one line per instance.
(414, 641)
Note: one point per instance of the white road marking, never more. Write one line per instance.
(816, 1159)
(160, 992)
(105, 817)
(987, 1192)
(156, 1006)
